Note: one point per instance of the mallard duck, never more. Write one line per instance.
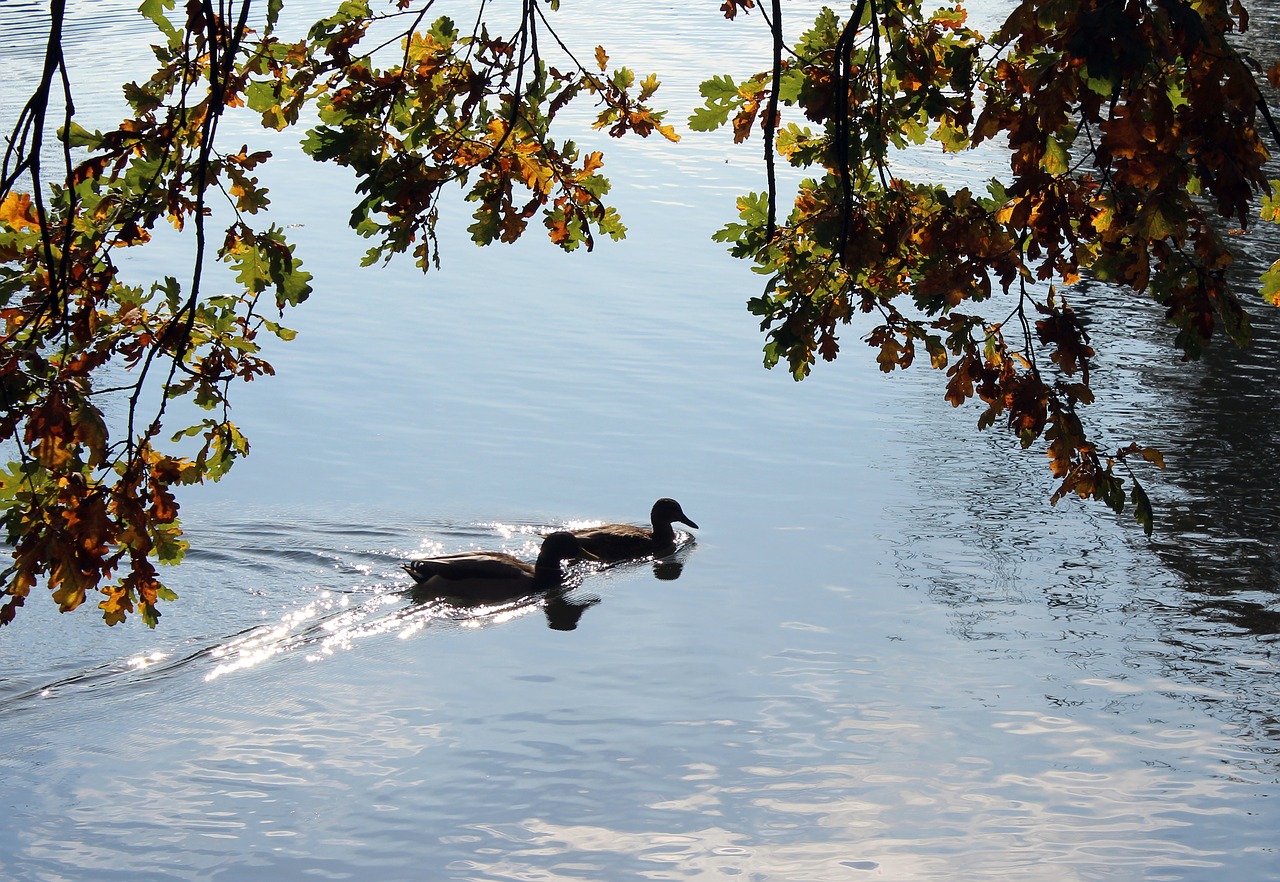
(495, 575)
(615, 542)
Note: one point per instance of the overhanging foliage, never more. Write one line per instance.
(1132, 131)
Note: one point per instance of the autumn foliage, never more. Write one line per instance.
(1133, 133)
(92, 368)
(1134, 139)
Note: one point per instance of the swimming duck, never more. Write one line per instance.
(494, 575)
(615, 542)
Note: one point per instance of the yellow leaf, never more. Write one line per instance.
(16, 212)
(1154, 225)
(1271, 284)
(1153, 455)
(648, 86)
(1104, 213)
(1056, 160)
(52, 452)
(116, 606)
(890, 355)
(602, 57)
(497, 129)
(69, 594)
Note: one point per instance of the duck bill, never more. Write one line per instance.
(686, 522)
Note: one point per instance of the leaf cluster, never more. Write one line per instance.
(472, 111)
(89, 363)
(1133, 136)
(92, 367)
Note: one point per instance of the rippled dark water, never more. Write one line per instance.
(883, 656)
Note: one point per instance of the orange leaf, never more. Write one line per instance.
(16, 212)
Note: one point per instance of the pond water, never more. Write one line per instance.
(885, 656)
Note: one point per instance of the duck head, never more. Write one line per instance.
(560, 546)
(666, 510)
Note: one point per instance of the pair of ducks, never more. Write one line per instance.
(484, 574)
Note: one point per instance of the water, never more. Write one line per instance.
(884, 656)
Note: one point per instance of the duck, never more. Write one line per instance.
(617, 542)
(496, 575)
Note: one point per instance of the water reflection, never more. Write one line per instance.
(336, 622)
(1217, 419)
(357, 594)
(890, 660)
(562, 605)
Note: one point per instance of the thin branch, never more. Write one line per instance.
(771, 122)
(844, 62)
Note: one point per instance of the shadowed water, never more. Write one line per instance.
(884, 655)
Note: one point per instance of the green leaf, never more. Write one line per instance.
(273, 14)
(444, 31)
(611, 224)
(76, 135)
(1142, 508)
(999, 195)
(754, 208)
(324, 143)
(1154, 225)
(623, 78)
(799, 145)
(910, 130)
(790, 85)
(262, 95)
(709, 117)
(1056, 160)
(155, 11)
(169, 546)
(292, 283)
(486, 227)
(280, 331)
(720, 88)
(240, 344)
(729, 233)
(1111, 489)
(1104, 86)
(189, 432)
(1271, 203)
(1271, 284)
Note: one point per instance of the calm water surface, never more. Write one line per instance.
(885, 656)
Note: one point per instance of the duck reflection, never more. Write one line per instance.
(561, 606)
(667, 570)
(494, 586)
(563, 612)
(666, 567)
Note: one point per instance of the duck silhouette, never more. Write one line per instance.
(495, 575)
(618, 542)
